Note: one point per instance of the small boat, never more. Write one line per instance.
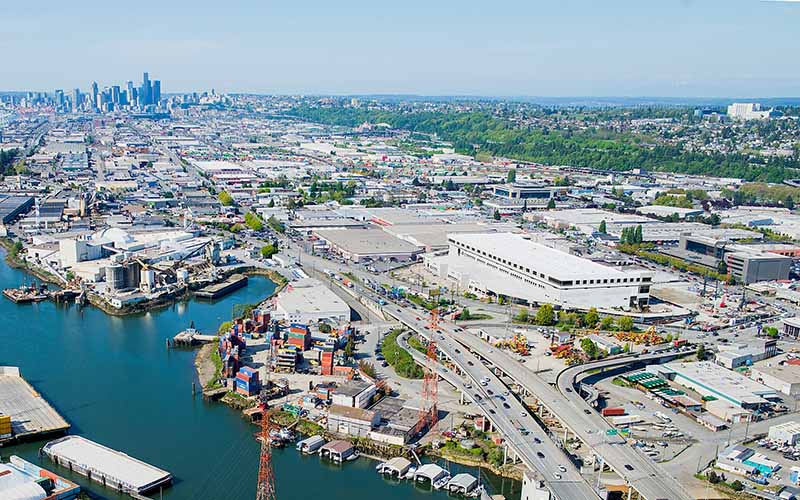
(354, 456)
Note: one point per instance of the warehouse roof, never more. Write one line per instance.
(725, 383)
(366, 241)
(520, 250)
(309, 296)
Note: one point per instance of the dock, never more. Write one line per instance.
(217, 290)
(190, 337)
(31, 415)
(111, 468)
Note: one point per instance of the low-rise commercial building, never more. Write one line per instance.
(710, 379)
(352, 421)
(354, 394)
(787, 432)
(366, 245)
(530, 273)
(309, 301)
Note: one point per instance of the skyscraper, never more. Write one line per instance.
(146, 95)
(115, 94)
(156, 91)
(94, 95)
(59, 99)
(76, 100)
(131, 95)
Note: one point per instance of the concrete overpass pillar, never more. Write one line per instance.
(505, 453)
(630, 491)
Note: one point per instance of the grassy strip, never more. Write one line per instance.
(401, 361)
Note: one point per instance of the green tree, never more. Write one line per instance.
(551, 204)
(523, 316)
(268, 251)
(496, 215)
(512, 176)
(788, 202)
(271, 203)
(722, 267)
(592, 318)
(602, 228)
(638, 238)
(607, 323)
(545, 316)
(325, 328)
(737, 485)
(253, 221)
(701, 352)
(225, 198)
(589, 347)
(625, 323)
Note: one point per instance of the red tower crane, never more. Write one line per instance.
(266, 477)
(428, 412)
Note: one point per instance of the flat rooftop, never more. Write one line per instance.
(30, 413)
(593, 216)
(517, 249)
(128, 470)
(724, 382)
(309, 296)
(366, 241)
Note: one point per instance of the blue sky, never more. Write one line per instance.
(702, 48)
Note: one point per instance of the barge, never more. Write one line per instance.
(217, 290)
(111, 468)
(24, 413)
(26, 294)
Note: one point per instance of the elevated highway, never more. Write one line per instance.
(644, 475)
(526, 438)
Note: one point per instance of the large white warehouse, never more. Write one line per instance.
(513, 265)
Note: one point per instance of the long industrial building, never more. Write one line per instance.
(528, 272)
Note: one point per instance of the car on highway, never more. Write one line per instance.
(523, 414)
(562, 468)
(505, 405)
(537, 440)
(556, 475)
(540, 454)
(492, 411)
(586, 411)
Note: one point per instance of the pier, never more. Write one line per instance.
(111, 468)
(31, 415)
(190, 337)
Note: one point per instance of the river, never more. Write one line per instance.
(115, 381)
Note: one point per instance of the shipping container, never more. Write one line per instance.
(613, 412)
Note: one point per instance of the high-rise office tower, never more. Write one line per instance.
(59, 99)
(94, 95)
(147, 90)
(76, 100)
(156, 91)
(115, 94)
(131, 96)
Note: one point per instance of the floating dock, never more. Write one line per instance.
(111, 468)
(31, 415)
(217, 290)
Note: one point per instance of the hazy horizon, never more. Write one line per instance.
(624, 48)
